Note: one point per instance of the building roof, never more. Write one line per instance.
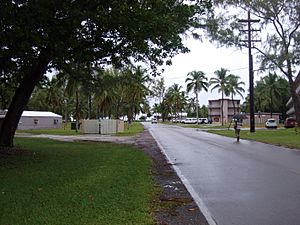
(35, 114)
(39, 114)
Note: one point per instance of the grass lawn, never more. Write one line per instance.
(131, 129)
(284, 137)
(63, 183)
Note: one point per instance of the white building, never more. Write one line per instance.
(37, 120)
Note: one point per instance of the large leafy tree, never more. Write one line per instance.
(280, 25)
(159, 88)
(196, 82)
(38, 35)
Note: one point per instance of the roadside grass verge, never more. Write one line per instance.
(284, 137)
(131, 129)
(76, 183)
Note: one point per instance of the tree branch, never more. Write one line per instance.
(273, 61)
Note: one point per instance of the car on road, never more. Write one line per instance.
(289, 122)
(153, 120)
(271, 123)
(189, 121)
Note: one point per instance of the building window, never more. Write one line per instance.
(55, 121)
(35, 121)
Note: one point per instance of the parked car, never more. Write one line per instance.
(289, 122)
(271, 123)
(190, 121)
(203, 121)
(153, 120)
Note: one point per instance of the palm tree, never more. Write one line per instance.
(176, 98)
(136, 89)
(70, 78)
(220, 82)
(271, 90)
(106, 96)
(196, 83)
(191, 106)
(234, 87)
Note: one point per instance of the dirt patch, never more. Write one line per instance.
(176, 206)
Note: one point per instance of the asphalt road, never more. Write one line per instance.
(234, 183)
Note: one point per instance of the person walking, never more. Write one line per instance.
(238, 123)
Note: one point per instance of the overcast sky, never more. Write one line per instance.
(208, 58)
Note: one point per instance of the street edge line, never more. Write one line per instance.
(188, 186)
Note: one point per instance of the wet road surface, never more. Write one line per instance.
(245, 183)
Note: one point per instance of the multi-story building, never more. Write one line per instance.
(229, 109)
(289, 104)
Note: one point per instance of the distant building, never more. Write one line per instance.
(38, 120)
(229, 109)
(289, 104)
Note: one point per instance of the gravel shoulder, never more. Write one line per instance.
(180, 208)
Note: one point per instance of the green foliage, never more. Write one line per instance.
(270, 94)
(37, 36)
(76, 183)
(105, 31)
(196, 82)
(174, 101)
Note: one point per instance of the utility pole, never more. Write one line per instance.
(251, 88)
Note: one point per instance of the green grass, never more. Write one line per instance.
(64, 183)
(131, 129)
(284, 137)
(64, 130)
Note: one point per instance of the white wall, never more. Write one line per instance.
(29, 123)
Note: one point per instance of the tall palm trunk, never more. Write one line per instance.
(222, 111)
(197, 108)
(271, 105)
(77, 111)
(233, 104)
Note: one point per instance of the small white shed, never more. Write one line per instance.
(103, 126)
(39, 120)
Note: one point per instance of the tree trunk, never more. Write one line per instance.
(197, 108)
(271, 105)
(295, 99)
(222, 119)
(233, 104)
(77, 111)
(20, 100)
